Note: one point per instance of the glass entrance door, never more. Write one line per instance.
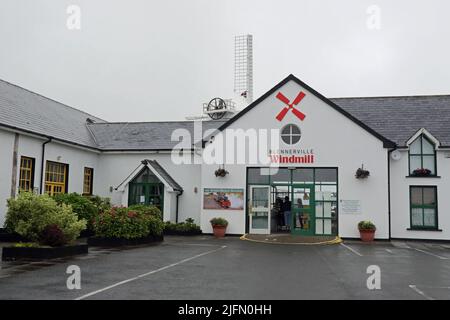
(303, 207)
(259, 210)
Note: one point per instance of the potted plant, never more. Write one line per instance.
(361, 173)
(366, 230)
(219, 226)
(221, 172)
(421, 172)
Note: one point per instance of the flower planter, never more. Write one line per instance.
(118, 242)
(86, 234)
(219, 231)
(182, 233)
(42, 253)
(362, 174)
(367, 235)
(5, 236)
(421, 173)
(220, 173)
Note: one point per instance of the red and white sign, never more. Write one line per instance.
(290, 106)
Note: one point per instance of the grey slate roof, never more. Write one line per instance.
(395, 118)
(164, 174)
(143, 135)
(399, 118)
(31, 112)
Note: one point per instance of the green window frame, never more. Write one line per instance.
(319, 177)
(422, 156)
(423, 207)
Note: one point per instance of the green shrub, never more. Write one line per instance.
(148, 210)
(102, 204)
(29, 214)
(120, 222)
(366, 225)
(219, 222)
(82, 206)
(52, 236)
(182, 227)
(26, 245)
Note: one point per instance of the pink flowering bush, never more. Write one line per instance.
(125, 223)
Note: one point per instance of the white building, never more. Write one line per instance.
(404, 142)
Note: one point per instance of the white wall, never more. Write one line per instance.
(109, 170)
(77, 159)
(337, 142)
(400, 202)
(31, 146)
(6, 158)
(116, 167)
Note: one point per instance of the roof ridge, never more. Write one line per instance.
(141, 122)
(58, 102)
(400, 96)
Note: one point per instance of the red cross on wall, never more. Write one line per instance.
(290, 106)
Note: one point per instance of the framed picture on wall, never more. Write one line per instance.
(223, 199)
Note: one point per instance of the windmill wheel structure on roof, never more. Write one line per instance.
(216, 108)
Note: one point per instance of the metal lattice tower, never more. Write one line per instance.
(243, 66)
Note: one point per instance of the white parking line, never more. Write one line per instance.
(195, 244)
(431, 254)
(148, 273)
(414, 287)
(352, 250)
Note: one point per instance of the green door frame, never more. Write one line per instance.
(290, 183)
(147, 187)
(295, 210)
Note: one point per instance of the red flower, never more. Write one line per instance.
(131, 214)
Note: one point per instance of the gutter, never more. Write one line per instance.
(13, 128)
(389, 189)
(180, 192)
(42, 164)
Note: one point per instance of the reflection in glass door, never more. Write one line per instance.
(259, 210)
(303, 221)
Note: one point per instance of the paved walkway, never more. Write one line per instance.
(287, 238)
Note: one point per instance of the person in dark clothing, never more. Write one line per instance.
(279, 212)
(300, 214)
(286, 208)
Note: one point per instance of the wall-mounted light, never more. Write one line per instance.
(195, 189)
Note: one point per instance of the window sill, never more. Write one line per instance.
(424, 229)
(432, 177)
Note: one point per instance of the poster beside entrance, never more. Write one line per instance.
(223, 199)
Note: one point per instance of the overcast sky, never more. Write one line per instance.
(147, 60)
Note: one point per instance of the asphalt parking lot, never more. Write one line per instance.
(206, 268)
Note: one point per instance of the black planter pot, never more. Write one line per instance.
(86, 234)
(5, 236)
(42, 253)
(182, 233)
(118, 242)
